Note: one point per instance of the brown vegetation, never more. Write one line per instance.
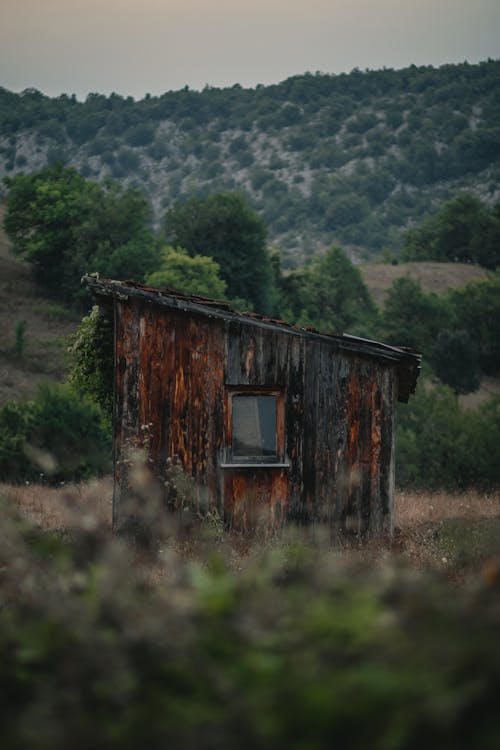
(62, 508)
(433, 277)
(453, 533)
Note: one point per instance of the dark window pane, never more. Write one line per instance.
(254, 426)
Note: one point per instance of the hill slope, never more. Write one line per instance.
(41, 352)
(349, 158)
(433, 277)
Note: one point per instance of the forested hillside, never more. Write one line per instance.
(351, 158)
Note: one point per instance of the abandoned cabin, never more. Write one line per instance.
(270, 420)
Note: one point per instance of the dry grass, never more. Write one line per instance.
(440, 530)
(434, 277)
(489, 387)
(456, 534)
(415, 508)
(55, 507)
(86, 505)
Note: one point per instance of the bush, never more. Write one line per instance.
(440, 446)
(92, 357)
(291, 653)
(61, 435)
(128, 160)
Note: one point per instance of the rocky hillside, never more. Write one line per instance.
(351, 158)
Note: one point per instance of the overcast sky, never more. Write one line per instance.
(139, 46)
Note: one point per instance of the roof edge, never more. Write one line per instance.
(407, 360)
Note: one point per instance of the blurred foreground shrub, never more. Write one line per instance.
(293, 652)
(61, 435)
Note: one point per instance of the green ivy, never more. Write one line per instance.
(91, 351)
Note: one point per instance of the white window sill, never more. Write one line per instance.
(259, 465)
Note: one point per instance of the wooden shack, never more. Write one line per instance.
(269, 419)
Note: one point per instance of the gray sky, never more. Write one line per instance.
(139, 46)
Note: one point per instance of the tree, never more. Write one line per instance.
(196, 274)
(477, 311)
(464, 230)
(116, 240)
(43, 212)
(441, 445)
(66, 226)
(330, 294)
(411, 317)
(455, 361)
(224, 228)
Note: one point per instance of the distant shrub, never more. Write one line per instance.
(52, 129)
(101, 145)
(128, 160)
(259, 177)
(57, 155)
(362, 122)
(238, 144)
(20, 341)
(159, 149)
(141, 134)
(244, 159)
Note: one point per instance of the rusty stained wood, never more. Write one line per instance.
(169, 391)
(173, 374)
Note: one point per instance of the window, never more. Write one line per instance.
(255, 427)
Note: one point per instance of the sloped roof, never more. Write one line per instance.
(407, 361)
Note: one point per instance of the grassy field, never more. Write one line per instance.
(456, 534)
(433, 277)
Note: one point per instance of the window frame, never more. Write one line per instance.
(236, 461)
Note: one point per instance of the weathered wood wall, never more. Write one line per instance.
(172, 374)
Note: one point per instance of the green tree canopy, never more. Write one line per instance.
(196, 274)
(455, 360)
(411, 317)
(226, 229)
(441, 445)
(43, 211)
(465, 230)
(477, 311)
(62, 434)
(65, 226)
(330, 294)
